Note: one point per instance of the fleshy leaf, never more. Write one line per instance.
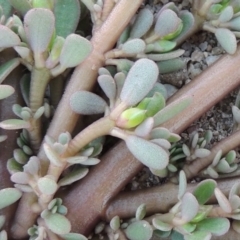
(7, 68)
(87, 103)
(171, 110)
(216, 226)
(22, 6)
(20, 178)
(6, 91)
(115, 223)
(144, 128)
(226, 15)
(12, 124)
(134, 46)
(199, 235)
(140, 230)
(73, 236)
(140, 80)
(189, 207)
(227, 40)
(8, 38)
(57, 223)
(47, 185)
(141, 212)
(73, 176)
(75, 50)
(182, 184)
(66, 23)
(160, 225)
(108, 85)
(6, 7)
(172, 65)
(142, 23)
(39, 28)
(148, 153)
(202, 152)
(52, 155)
(222, 201)
(204, 190)
(167, 23)
(9, 196)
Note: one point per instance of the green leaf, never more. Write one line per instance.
(108, 85)
(189, 207)
(140, 230)
(58, 223)
(204, 190)
(160, 225)
(22, 6)
(8, 196)
(7, 68)
(216, 226)
(7, 8)
(3, 235)
(2, 220)
(25, 87)
(39, 28)
(172, 65)
(12, 124)
(52, 155)
(222, 201)
(73, 176)
(73, 236)
(226, 15)
(227, 40)
(47, 185)
(66, 23)
(8, 38)
(171, 110)
(199, 235)
(6, 91)
(75, 50)
(142, 23)
(87, 103)
(168, 23)
(182, 184)
(141, 212)
(150, 154)
(176, 236)
(134, 46)
(115, 223)
(43, 4)
(140, 80)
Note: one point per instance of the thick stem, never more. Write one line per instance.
(39, 81)
(118, 166)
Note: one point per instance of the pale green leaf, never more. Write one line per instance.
(140, 80)
(171, 110)
(227, 40)
(87, 103)
(189, 207)
(115, 223)
(6, 91)
(21, 6)
(8, 196)
(141, 212)
(7, 68)
(134, 46)
(73, 176)
(12, 124)
(140, 230)
(75, 50)
(73, 236)
(150, 154)
(142, 23)
(39, 28)
(47, 185)
(8, 38)
(66, 23)
(216, 226)
(58, 223)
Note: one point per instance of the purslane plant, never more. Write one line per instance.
(136, 107)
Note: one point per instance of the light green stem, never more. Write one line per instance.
(39, 81)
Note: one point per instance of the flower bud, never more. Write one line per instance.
(131, 117)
